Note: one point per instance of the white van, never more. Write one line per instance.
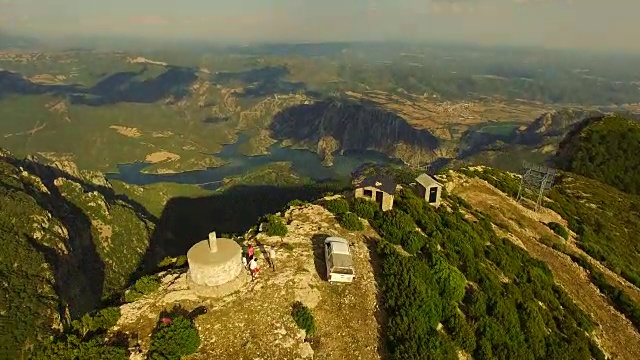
(338, 260)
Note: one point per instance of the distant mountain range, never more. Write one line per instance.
(9, 40)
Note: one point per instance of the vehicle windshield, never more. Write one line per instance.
(342, 270)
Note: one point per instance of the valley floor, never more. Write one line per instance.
(616, 334)
(256, 323)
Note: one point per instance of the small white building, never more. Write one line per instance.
(429, 189)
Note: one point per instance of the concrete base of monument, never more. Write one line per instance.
(222, 290)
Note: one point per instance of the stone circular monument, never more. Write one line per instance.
(215, 266)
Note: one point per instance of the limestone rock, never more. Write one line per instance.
(306, 352)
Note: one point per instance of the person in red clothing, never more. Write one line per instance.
(255, 269)
(250, 251)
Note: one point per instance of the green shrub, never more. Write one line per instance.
(147, 284)
(303, 317)
(174, 340)
(72, 347)
(364, 208)
(350, 221)
(295, 202)
(143, 286)
(166, 262)
(461, 332)
(337, 206)
(131, 295)
(105, 319)
(274, 226)
(559, 230)
(392, 225)
(180, 261)
(450, 280)
(100, 322)
(413, 241)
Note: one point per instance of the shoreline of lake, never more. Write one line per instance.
(304, 163)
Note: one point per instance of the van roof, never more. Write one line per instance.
(339, 245)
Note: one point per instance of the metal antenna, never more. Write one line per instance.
(536, 178)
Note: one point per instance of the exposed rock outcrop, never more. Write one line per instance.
(553, 124)
(337, 126)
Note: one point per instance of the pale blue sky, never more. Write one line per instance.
(594, 24)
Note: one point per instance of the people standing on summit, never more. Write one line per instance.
(272, 258)
(250, 251)
(253, 266)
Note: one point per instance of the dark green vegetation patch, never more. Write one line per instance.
(143, 286)
(493, 299)
(605, 221)
(350, 221)
(364, 208)
(337, 206)
(303, 318)
(174, 340)
(559, 230)
(84, 339)
(274, 226)
(605, 149)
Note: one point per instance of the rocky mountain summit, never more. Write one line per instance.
(255, 322)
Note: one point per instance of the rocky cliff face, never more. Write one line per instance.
(553, 124)
(335, 126)
(68, 243)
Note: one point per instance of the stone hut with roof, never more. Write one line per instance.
(379, 188)
(429, 189)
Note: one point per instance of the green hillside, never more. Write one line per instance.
(606, 220)
(605, 149)
(69, 246)
(468, 289)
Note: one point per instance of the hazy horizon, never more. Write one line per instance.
(570, 24)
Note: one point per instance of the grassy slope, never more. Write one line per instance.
(606, 220)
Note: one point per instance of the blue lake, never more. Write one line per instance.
(304, 163)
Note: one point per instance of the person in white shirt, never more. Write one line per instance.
(253, 266)
(272, 258)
